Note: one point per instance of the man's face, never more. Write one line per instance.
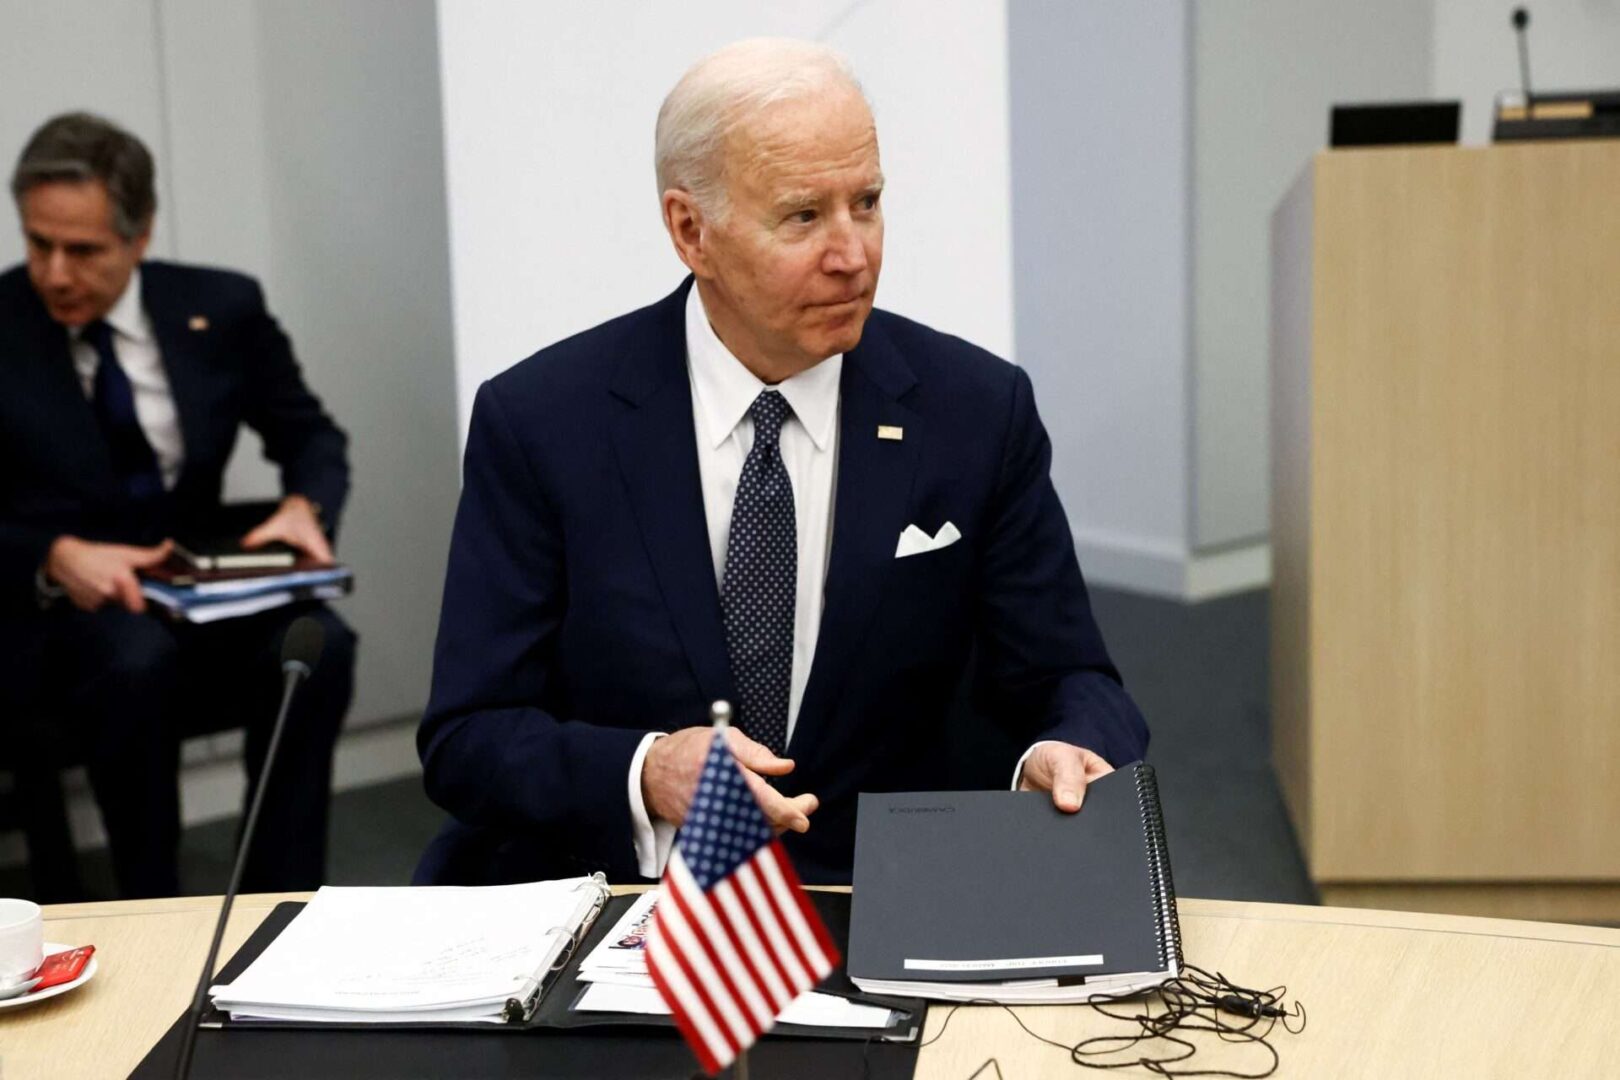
(794, 265)
(77, 261)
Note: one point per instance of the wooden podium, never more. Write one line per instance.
(1446, 526)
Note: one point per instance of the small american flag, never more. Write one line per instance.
(734, 939)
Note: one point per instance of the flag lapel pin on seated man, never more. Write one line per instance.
(734, 938)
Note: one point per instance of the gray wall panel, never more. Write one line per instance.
(1265, 73)
(1100, 259)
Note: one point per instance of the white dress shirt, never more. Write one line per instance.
(136, 348)
(722, 391)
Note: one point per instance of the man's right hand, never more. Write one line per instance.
(97, 574)
(669, 776)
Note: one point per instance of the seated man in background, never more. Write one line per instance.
(759, 489)
(123, 385)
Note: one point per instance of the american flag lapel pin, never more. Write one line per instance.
(891, 432)
(198, 322)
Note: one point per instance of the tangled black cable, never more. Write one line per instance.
(1193, 1001)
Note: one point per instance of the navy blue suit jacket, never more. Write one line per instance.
(228, 364)
(581, 610)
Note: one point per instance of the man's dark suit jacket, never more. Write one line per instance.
(228, 363)
(581, 610)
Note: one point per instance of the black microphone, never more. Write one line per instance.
(301, 648)
(300, 652)
(1521, 26)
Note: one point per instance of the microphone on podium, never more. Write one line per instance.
(1521, 24)
(300, 652)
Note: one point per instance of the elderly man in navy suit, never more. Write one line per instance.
(759, 489)
(123, 384)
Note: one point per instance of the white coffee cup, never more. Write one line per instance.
(22, 940)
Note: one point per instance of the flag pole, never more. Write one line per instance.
(720, 717)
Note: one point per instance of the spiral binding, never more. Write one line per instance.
(1164, 889)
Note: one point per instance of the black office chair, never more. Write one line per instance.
(37, 805)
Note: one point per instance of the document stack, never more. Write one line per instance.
(999, 896)
(185, 593)
(616, 970)
(546, 956)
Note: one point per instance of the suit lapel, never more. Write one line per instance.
(870, 509)
(655, 440)
(184, 354)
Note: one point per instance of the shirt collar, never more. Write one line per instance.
(127, 317)
(724, 388)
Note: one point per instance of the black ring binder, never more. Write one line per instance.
(521, 1010)
(1163, 887)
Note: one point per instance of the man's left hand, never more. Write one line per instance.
(1064, 770)
(296, 523)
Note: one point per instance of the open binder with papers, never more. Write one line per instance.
(999, 896)
(549, 954)
(439, 954)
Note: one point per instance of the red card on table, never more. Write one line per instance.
(63, 967)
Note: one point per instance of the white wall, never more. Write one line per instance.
(46, 52)
(1151, 142)
(299, 141)
(1101, 270)
(548, 118)
(1574, 45)
(1265, 75)
(361, 270)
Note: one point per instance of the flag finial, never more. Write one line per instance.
(720, 714)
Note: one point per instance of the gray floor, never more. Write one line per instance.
(1201, 674)
(1198, 671)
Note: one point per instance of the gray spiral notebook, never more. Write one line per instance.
(997, 895)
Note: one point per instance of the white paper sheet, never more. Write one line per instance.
(623, 947)
(270, 582)
(811, 1009)
(617, 972)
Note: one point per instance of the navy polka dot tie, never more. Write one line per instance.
(761, 578)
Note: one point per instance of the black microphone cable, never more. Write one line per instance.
(1187, 999)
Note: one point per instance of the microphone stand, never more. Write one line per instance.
(1521, 24)
(294, 672)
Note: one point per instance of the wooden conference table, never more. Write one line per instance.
(1389, 994)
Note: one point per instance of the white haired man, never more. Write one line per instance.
(759, 489)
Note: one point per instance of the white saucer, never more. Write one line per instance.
(52, 948)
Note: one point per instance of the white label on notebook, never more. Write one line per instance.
(1088, 960)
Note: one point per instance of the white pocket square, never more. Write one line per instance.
(914, 541)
